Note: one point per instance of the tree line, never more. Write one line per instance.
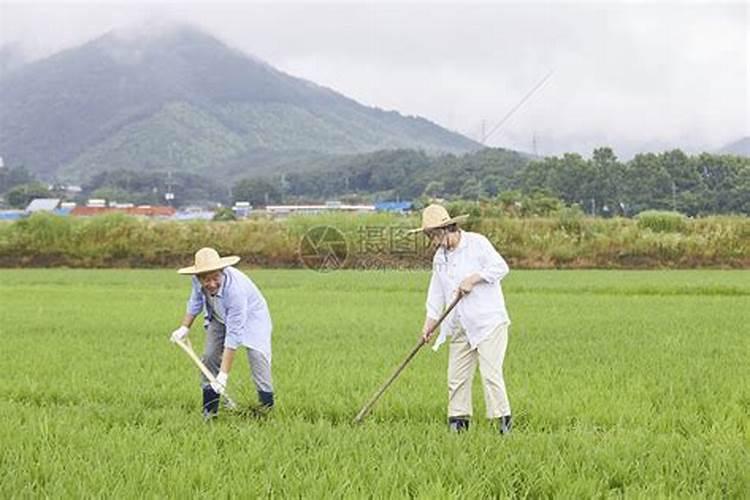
(600, 185)
(693, 185)
(18, 187)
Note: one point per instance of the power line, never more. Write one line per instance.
(517, 106)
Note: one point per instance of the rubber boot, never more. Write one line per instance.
(210, 403)
(458, 424)
(505, 424)
(266, 399)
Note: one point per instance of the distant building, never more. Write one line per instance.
(315, 209)
(96, 202)
(140, 210)
(194, 213)
(43, 205)
(63, 211)
(242, 209)
(68, 189)
(12, 214)
(400, 207)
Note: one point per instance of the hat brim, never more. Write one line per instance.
(454, 220)
(221, 264)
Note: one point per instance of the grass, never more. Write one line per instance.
(622, 384)
(567, 240)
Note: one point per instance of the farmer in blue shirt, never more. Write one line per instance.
(236, 314)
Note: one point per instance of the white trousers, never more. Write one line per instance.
(462, 363)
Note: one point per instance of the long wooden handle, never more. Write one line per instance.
(185, 346)
(374, 399)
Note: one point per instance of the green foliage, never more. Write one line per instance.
(179, 136)
(662, 221)
(602, 185)
(21, 195)
(471, 189)
(463, 207)
(43, 233)
(565, 238)
(224, 214)
(402, 174)
(112, 194)
(572, 220)
(694, 185)
(11, 177)
(434, 189)
(492, 185)
(150, 187)
(540, 204)
(259, 192)
(615, 390)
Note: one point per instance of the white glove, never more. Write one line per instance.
(221, 383)
(179, 334)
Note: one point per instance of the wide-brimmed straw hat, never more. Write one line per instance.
(435, 216)
(207, 260)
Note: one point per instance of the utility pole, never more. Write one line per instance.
(169, 195)
(2, 175)
(674, 196)
(284, 186)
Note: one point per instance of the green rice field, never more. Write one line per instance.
(628, 384)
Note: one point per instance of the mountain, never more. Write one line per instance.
(739, 147)
(12, 57)
(183, 100)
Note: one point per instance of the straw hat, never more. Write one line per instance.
(435, 216)
(207, 260)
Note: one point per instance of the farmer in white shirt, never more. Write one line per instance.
(467, 263)
(236, 314)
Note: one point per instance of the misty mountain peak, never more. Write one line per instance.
(175, 97)
(159, 36)
(139, 44)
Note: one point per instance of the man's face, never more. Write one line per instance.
(211, 282)
(437, 237)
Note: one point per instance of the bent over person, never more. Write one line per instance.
(466, 263)
(236, 314)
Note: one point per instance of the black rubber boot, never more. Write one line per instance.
(266, 399)
(458, 424)
(505, 424)
(210, 403)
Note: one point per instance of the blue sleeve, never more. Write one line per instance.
(196, 301)
(236, 308)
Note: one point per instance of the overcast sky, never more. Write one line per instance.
(637, 76)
